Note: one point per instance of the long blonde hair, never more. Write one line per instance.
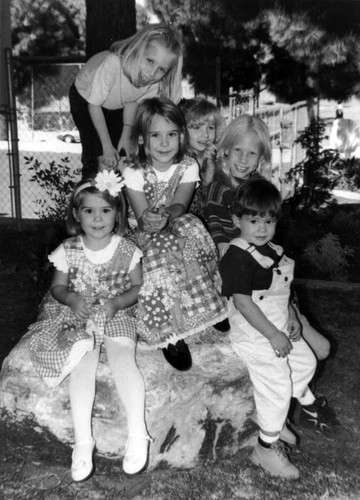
(239, 127)
(131, 51)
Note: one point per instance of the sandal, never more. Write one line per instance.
(136, 453)
(82, 466)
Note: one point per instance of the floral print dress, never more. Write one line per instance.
(180, 295)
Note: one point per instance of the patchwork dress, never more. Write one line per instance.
(58, 339)
(180, 295)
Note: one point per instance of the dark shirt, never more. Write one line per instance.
(241, 273)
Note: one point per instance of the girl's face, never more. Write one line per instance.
(163, 143)
(201, 134)
(97, 219)
(244, 157)
(256, 230)
(155, 63)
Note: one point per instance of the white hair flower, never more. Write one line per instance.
(108, 180)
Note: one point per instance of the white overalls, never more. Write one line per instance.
(275, 379)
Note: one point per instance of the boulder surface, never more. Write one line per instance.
(193, 416)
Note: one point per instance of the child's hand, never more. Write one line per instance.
(110, 308)
(281, 344)
(154, 221)
(79, 307)
(210, 152)
(109, 160)
(294, 330)
(294, 325)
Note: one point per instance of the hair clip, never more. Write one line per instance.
(109, 181)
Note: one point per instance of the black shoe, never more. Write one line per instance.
(223, 326)
(178, 356)
(320, 417)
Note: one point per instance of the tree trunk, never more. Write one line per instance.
(108, 21)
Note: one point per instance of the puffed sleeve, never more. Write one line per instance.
(191, 174)
(135, 258)
(57, 257)
(134, 178)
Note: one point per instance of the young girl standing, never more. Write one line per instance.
(90, 303)
(107, 90)
(203, 121)
(180, 295)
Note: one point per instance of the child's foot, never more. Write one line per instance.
(136, 453)
(274, 460)
(320, 417)
(178, 356)
(222, 326)
(82, 466)
(288, 436)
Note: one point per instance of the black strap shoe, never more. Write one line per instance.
(223, 326)
(178, 356)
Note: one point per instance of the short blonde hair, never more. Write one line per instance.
(131, 51)
(199, 110)
(237, 128)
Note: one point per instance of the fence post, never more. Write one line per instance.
(218, 81)
(14, 154)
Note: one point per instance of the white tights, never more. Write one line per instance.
(128, 381)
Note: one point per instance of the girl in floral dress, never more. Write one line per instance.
(90, 303)
(180, 294)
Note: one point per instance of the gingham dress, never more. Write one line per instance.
(58, 339)
(180, 295)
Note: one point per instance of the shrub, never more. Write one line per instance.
(58, 182)
(347, 226)
(328, 258)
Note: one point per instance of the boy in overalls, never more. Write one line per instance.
(265, 332)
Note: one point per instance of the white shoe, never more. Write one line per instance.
(82, 466)
(136, 453)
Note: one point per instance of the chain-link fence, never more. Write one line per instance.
(45, 129)
(47, 133)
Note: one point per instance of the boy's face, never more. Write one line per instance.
(202, 134)
(254, 229)
(244, 157)
(155, 63)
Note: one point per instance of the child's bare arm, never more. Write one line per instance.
(254, 315)
(127, 298)
(109, 152)
(128, 120)
(60, 291)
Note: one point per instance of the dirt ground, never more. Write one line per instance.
(34, 465)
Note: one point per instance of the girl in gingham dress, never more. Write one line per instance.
(180, 295)
(91, 302)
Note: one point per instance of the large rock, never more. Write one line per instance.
(197, 415)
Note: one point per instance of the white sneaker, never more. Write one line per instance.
(82, 466)
(274, 460)
(136, 453)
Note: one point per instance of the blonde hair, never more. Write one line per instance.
(239, 127)
(199, 110)
(131, 50)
